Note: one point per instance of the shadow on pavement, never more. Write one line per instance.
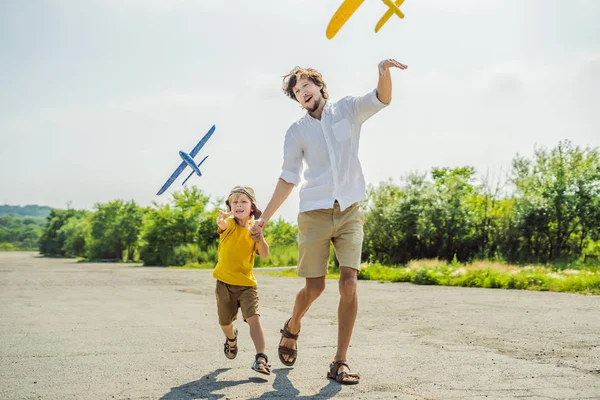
(285, 390)
(204, 387)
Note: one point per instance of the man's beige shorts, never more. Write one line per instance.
(232, 297)
(317, 228)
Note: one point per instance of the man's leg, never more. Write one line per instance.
(305, 297)
(348, 246)
(314, 237)
(347, 310)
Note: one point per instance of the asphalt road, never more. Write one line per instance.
(115, 331)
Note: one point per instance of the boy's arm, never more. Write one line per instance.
(263, 247)
(222, 219)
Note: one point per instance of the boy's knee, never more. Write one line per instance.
(253, 319)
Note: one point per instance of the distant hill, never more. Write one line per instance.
(32, 210)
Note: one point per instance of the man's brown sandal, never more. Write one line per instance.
(345, 378)
(231, 349)
(261, 364)
(286, 350)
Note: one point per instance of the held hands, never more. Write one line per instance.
(256, 230)
(385, 65)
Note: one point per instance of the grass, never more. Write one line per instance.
(487, 274)
(205, 265)
(9, 247)
(291, 273)
(482, 274)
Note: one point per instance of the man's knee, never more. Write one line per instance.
(348, 282)
(314, 287)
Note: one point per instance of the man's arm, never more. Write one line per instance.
(290, 177)
(364, 107)
(384, 85)
(281, 193)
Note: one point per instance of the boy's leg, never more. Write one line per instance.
(256, 333)
(227, 310)
(248, 298)
(229, 331)
(261, 363)
(231, 336)
(249, 305)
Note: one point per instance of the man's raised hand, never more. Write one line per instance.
(385, 65)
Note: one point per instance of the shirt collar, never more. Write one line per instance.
(326, 110)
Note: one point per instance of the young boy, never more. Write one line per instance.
(236, 284)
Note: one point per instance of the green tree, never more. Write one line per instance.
(183, 221)
(52, 241)
(281, 233)
(558, 205)
(75, 231)
(115, 228)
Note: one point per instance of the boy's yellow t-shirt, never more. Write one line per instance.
(236, 255)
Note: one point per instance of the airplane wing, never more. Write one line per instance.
(202, 142)
(343, 13)
(393, 8)
(172, 178)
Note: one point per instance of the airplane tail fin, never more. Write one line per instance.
(192, 173)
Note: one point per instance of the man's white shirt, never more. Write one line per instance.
(328, 148)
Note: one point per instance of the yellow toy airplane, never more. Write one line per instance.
(348, 7)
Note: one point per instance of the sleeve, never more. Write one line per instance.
(364, 107)
(292, 159)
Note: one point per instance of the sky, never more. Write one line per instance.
(98, 97)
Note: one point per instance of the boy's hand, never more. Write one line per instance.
(385, 65)
(223, 216)
(257, 229)
(257, 237)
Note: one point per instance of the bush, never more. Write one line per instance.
(279, 256)
(190, 253)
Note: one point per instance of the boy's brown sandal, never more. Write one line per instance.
(261, 364)
(231, 349)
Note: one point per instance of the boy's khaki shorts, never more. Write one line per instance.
(232, 297)
(317, 228)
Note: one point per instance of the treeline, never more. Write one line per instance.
(20, 232)
(548, 210)
(181, 232)
(28, 210)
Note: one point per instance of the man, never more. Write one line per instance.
(326, 139)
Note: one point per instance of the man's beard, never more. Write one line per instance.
(315, 106)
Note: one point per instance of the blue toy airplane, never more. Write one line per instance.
(188, 160)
